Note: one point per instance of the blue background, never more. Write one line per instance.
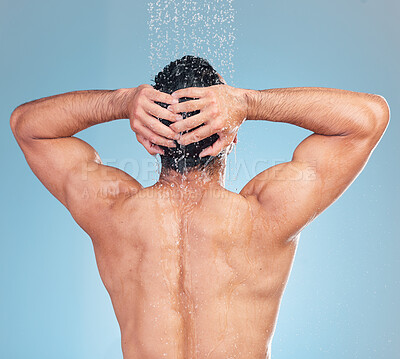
(343, 295)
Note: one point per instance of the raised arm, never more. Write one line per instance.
(69, 167)
(347, 126)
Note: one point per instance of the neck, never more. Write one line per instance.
(195, 178)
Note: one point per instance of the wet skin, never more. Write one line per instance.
(195, 271)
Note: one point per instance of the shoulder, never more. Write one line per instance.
(94, 198)
(285, 196)
(280, 181)
(222, 203)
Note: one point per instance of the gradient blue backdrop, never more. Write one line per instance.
(343, 296)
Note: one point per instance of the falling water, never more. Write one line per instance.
(205, 29)
(192, 27)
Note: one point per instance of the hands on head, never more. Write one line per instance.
(144, 114)
(222, 110)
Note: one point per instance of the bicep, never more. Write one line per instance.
(322, 168)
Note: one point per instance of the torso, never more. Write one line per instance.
(193, 278)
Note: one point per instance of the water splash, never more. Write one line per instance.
(192, 27)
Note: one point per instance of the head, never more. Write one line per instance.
(189, 71)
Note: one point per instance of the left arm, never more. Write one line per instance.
(69, 167)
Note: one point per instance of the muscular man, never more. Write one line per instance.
(194, 270)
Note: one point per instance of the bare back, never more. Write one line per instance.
(192, 279)
(199, 273)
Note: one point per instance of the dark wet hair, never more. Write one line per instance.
(189, 71)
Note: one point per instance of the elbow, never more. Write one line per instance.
(15, 120)
(17, 123)
(376, 117)
(380, 114)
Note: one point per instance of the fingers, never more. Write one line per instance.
(222, 142)
(196, 135)
(198, 92)
(214, 149)
(146, 120)
(155, 95)
(150, 147)
(187, 106)
(188, 123)
(153, 137)
(160, 129)
(150, 132)
(160, 112)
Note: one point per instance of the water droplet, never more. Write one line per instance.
(205, 29)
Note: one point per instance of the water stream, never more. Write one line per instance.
(191, 27)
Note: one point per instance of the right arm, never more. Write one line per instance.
(347, 127)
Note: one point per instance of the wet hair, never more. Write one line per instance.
(189, 71)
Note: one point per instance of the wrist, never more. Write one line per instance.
(251, 99)
(121, 101)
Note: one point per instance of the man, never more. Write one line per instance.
(193, 270)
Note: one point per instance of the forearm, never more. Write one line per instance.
(66, 114)
(321, 110)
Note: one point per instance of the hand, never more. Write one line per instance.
(222, 110)
(144, 114)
